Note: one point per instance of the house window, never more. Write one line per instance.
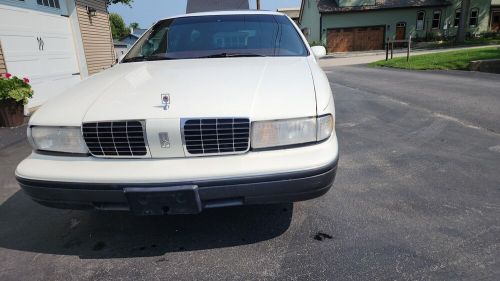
(420, 20)
(474, 14)
(457, 17)
(49, 3)
(436, 19)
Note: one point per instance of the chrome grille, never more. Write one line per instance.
(217, 135)
(115, 139)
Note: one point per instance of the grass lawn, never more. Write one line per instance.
(446, 60)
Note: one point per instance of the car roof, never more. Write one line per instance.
(229, 12)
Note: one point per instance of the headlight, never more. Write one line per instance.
(58, 139)
(291, 131)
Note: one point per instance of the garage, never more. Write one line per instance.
(355, 39)
(39, 44)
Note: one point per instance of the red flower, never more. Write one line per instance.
(8, 75)
(26, 80)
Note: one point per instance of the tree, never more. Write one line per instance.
(133, 25)
(464, 17)
(118, 27)
(124, 2)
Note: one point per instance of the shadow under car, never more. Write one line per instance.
(27, 226)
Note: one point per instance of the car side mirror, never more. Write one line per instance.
(318, 51)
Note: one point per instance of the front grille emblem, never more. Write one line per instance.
(165, 100)
(164, 140)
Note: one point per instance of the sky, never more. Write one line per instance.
(146, 12)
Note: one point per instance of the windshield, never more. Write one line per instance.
(219, 36)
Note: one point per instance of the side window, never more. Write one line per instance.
(457, 17)
(473, 18)
(436, 19)
(420, 20)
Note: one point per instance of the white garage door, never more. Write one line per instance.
(38, 43)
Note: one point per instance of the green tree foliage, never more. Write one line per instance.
(133, 25)
(118, 27)
(125, 2)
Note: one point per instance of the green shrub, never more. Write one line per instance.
(314, 43)
(490, 34)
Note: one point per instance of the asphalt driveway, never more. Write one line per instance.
(417, 197)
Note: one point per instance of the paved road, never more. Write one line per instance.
(417, 197)
(469, 97)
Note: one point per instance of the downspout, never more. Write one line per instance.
(321, 28)
(447, 22)
(113, 53)
(490, 20)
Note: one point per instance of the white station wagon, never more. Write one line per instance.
(206, 110)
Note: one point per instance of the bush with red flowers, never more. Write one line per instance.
(15, 89)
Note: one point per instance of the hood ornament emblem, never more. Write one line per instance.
(165, 100)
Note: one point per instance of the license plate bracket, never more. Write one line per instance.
(147, 201)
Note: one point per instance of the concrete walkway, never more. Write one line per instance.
(352, 58)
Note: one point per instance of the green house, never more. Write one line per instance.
(358, 25)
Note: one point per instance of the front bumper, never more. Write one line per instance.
(276, 176)
(291, 187)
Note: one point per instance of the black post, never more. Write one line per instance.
(386, 50)
(392, 49)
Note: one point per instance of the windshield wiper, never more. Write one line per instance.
(230, 55)
(148, 58)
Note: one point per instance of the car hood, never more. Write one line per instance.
(259, 88)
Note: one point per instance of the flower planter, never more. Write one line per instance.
(11, 113)
(14, 94)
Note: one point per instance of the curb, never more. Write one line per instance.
(344, 55)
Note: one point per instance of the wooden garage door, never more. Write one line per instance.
(355, 39)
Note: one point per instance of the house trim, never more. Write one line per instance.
(3, 65)
(77, 38)
(381, 9)
(301, 10)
